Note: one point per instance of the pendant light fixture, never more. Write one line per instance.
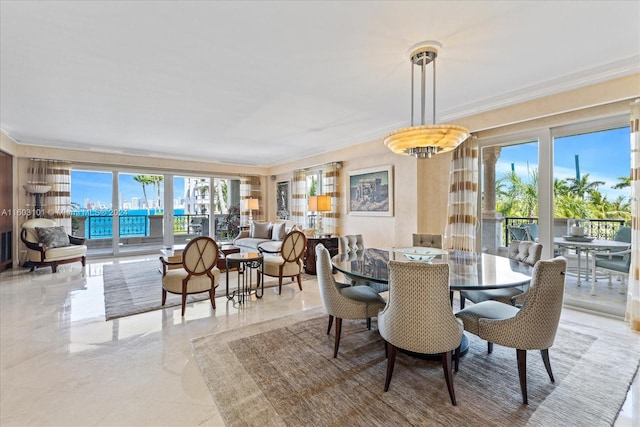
(424, 140)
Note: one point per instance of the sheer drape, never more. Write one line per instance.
(250, 189)
(633, 298)
(56, 203)
(299, 197)
(330, 180)
(462, 210)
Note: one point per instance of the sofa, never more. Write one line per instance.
(268, 235)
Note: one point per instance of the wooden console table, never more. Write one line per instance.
(331, 243)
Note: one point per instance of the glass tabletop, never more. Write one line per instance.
(468, 271)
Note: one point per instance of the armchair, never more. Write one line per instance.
(287, 261)
(49, 245)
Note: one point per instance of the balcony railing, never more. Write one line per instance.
(604, 229)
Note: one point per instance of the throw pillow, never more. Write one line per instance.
(278, 231)
(261, 230)
(53, 237)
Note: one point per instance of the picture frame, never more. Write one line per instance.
(283, 200)
(371, 191)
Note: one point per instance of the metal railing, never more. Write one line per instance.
(603, 229)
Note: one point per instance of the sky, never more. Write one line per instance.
(605, 156)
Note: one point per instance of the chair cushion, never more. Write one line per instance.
(271, 266)
(363, 294)
(488, 310)
(66, 252)
(172, 281)
(621, 265)
(502, 295)
(53, 237)
(261, 230)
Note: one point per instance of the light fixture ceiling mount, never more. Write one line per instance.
(424, 140)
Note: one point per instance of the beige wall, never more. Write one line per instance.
(421, 186)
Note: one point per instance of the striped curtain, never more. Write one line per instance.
(462, 210)
(250, 189)
(330, 182)
(56, 203)
(633, 297)
(299, 197)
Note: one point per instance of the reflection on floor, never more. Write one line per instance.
(61, 363)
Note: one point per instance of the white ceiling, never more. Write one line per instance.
(263, 83)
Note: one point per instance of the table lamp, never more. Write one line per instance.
(250, 205)
(320, 204)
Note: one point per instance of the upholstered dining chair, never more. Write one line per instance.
(341, 300)
(427, 240)
(532, 327)
(198, 271)
(523, 251)
(287, 262)
(351, 243)
(418, 316)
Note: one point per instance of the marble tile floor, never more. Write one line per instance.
(62, 364)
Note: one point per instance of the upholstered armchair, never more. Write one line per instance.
(533, 327)
(522, 251)
(428, 240)
(418, 316)
(197, 272)
(341, 300)
(614, 262)
(286, 262)
(49, 245)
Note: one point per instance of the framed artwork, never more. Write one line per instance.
(371, 191)
(283, 200)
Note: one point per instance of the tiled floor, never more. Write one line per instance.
(62, 364)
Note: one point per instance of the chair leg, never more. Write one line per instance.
(184, 302)
(300, 281)
(330, 323)
(164, 296)
(462, 300)
(391, 361)
(212, 297)
(369, 323)
(489, 347)
(522, 373)
(448, 376)
(280, 285)
(338, 331)
(547, 363)
(54, 267)
(457, 359)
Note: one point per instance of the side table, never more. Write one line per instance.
(331, 243)
(226, 250)
(246, 263)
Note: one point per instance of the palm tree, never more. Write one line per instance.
(156, 181)
(144, 180)
(581, 187)
(624, 182)
(516, 197)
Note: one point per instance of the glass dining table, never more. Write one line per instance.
(467, 270)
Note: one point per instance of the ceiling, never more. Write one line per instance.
(265, 83)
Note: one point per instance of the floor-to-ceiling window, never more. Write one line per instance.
(92, 208)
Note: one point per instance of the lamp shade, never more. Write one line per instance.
(324, 203)
(312, 206)
(249, 204)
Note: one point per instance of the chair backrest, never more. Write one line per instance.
(525, 251)
(418, 316)
(623, 235)
(326, 282)
(351, 243)
(427, 240)
(30, 227)
(293, 246)
(535, 325)
(200, 255)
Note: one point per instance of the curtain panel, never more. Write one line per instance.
(250, 189)
(56, 203)
(330, 183)
(299, 198)
(633, 297)
(462, 209)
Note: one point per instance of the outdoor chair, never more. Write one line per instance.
(533, 327)
(418, 316)
(523, 232)
(341, 300)
(197, 272)
(49, 245)
(614, 262)
(526, 252)
(427, 240)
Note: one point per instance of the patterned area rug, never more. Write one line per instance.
(136, 287)
(282, 372)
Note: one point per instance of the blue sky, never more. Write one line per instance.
(605, 156)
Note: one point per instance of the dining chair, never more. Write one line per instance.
(427, 240)
(532, 327)
(197, 273)
(341, 300)
(287, 261)
(351, 243)
(418, 316)
(523, 251)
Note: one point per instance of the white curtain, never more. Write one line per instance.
(250, 189)
(56, 203)
(330, 182)
(299, 197)
(633, 298)
(462, 209)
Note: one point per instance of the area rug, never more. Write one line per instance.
(282, 373)
(136, 287)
